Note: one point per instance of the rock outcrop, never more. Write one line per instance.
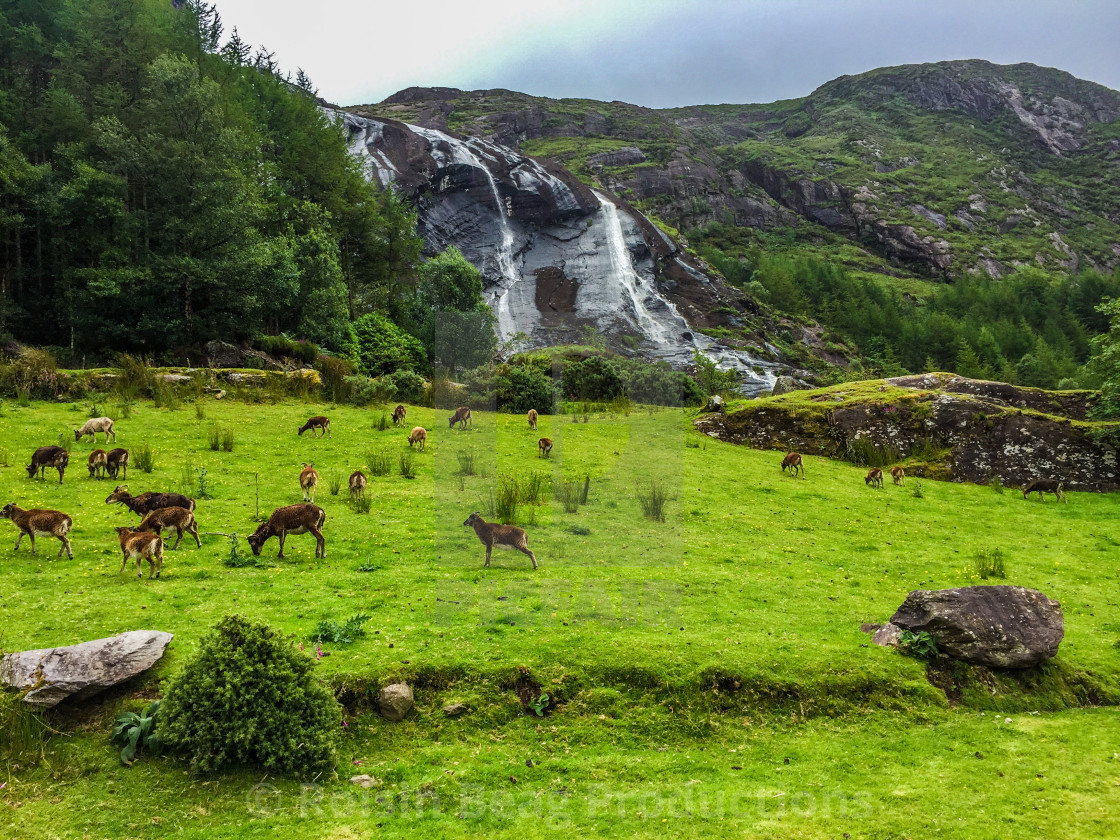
(996, 626)
(52, 675)
(395, 701)
(979, 430)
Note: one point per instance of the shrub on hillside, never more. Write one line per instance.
(594, 379)
(383, 347)
(249, 698)
(409, 386)
(521, 387)
(281, 345)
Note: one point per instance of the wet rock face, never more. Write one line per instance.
(996, 626)
(556, 258)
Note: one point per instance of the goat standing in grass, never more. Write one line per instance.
(178, 518)
(358, 482)
(792, 462)
(533, 419)
(115, 461)
(874, 477)
(544, 448)
(1042, 486)
(95, 425)
(321, 423)
(293, 519)
(141, 546)
(45, 523)
(398, 415)
(48, 456)
(98, 463)
(462, 416)
(308, 481)
(504, 536)
(418, 436)
(899, 476)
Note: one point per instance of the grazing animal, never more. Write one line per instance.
(899, 475)
(544, 448)
(1043, 486)
(95, 425)
(45, 523)
(320, 423)
(145, 503)
(98, 463)
(462, 416)
(418, 436)
(792, 462)
(293, 519)
(117, 460)
(308, 481)
(48, 456)
(358, 482)
(178, 518)
(398, 415)
(140, 546)
(874, 477)
(533, 419)
(504, 536)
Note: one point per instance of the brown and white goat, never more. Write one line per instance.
(140, 546)
(504, 536)
(533, 419)
(462, 416)
(308, 481)
(48, 456)
(145, 503)
(358, 483)
(398, 415)
(116, 461)
(98, 463)
(293, 519)
(321, 423)
(899, 476)
(45, 523)
(1042, 486)
(179, 518)
(95, 425)
(419, 435)
(792, 462)
(874, 477)
(544, 448)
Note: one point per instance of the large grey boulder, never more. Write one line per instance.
(82, 670)
(996, 626)
(395, 701)
(785, 384)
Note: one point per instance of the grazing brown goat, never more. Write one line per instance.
(792, 462)
(462, 416)
(544, 448)
(418, 436)
(308, 481)
(48, 456)
(293, 519)
(95, 425)
(141, 546)
(874, 477)
(358, 482)
(320, 423)
(98, 463)
(178, 518)
(533, 419)
(145, 503)
(45, 523)
(899, 476)
(398, 415)
(504, 536)
(116, 461)
(1043, 486)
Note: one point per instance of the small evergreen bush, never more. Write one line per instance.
(249, 698)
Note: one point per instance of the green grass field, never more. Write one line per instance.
(686, 661)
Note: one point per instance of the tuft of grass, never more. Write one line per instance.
(990, 563)
(5, 457)
(996, 483)
(22, 729)
(361, 504)
(652, 497)
(407, 464)
(334, 482)
(867, 454)
(143, 458)
(568, 494)
(379, 463)
(228, 439)
(382, 423)
(199, 411)
(506, 498)
(466, 462)
(214, 437)
(917, 491)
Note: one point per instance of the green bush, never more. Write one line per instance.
(593, 378)
(409, 386)
(250, 698)
(383, 347)
(521, 387)
(362, 390)
(281, 345)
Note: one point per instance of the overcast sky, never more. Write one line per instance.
(661, 53)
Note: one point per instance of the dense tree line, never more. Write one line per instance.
(162, 185)
(1028, 328)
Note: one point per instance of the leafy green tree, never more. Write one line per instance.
(1104, 366)
(449, 315)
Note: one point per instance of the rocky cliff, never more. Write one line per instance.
(932, 170)
(558, 258)
(939, 425)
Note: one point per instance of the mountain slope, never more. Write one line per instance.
(932, 171)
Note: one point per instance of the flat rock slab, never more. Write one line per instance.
(996, 626)
(82, 670)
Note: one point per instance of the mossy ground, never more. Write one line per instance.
(686, 660)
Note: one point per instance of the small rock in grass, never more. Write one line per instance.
(395, 701)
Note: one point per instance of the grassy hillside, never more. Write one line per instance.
(711, 647)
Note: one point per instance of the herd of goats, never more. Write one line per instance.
(174, 511)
